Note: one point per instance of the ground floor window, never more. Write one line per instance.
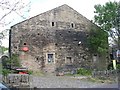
(50, 58)
(68, 60)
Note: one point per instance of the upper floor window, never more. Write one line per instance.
(53, 24)
(72, 25)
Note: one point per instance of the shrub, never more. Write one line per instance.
(15, 60)
(5, 72)
(30, 72)
(118, 66)
(83, 71)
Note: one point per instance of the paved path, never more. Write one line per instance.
(67, 82)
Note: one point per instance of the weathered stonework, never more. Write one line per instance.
(58, 35)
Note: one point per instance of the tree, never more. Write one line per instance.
(97, 41)
(108, 18)
(11, 9)
(12, 62)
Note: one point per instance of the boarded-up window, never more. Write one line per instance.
(68, 60)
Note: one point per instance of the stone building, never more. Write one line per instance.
(52, 40)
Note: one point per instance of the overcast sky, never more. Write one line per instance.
(84, 7)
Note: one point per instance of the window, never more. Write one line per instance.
(53, 24)
(50, 58)
(72, 25)
(68, 60)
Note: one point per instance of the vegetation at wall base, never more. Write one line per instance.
(8, 63)
(5, 72)
(85, 72)
(30, 72)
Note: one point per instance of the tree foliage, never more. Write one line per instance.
(97, 41)
(11, 62)
(11, 10)
(108, 17)
(3, 49)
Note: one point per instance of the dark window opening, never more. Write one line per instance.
(72, 25)
(53, 24)
(25, 44)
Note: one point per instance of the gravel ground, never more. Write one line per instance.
(67, 82)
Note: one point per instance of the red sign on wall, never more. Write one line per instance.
(25, 48)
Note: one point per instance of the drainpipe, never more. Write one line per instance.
(10, 46)
(10, 43)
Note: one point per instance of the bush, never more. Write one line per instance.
(15, 62)
(30, 72)
(83, 71)
(5, 72)
(8, 63)
(118, 66)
